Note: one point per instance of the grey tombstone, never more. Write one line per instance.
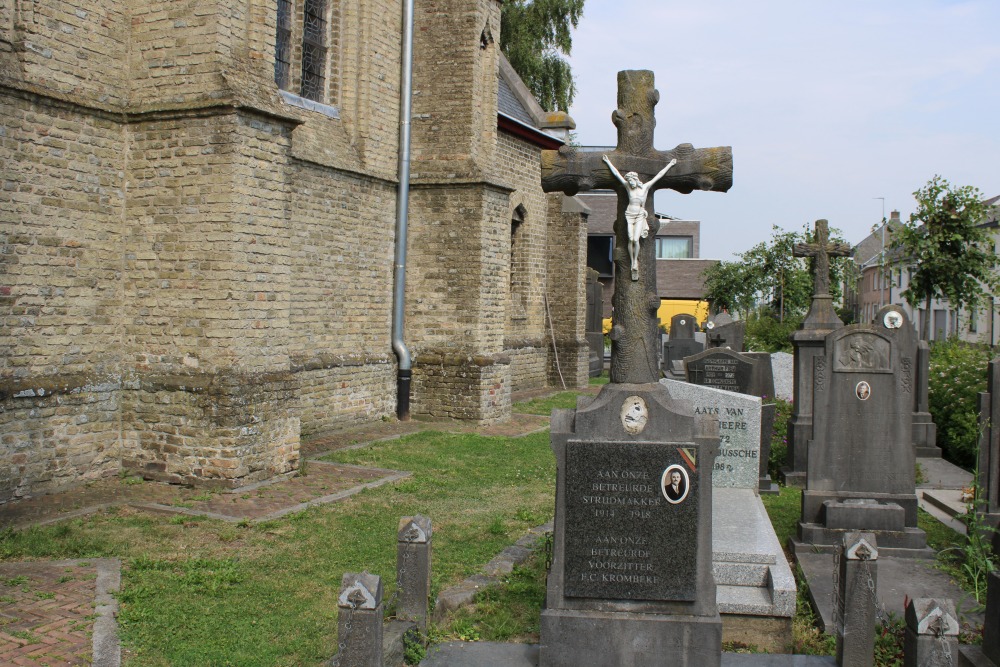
(855, 620)
(413, 569)
(747, 373)
(783, 373)
(359, 621)
(722, 330)
(631, 575)
(988, 482)
(924, 429)
(991, 628)
(931, 638)
(683, 326)
(738, 416)
(893, 321)
(808, 344)
(861, 464)
(595, 323)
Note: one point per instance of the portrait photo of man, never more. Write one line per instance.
(863, 390)
(675, 484)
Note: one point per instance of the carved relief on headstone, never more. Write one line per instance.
(862, 352)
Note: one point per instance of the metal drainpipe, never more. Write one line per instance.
(405, 372)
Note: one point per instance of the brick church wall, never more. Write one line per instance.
(196, 274)
(60, 215)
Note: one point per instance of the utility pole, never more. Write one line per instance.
(881, 263)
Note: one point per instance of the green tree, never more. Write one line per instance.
(534, 35)
(951, 254)
(769, 276)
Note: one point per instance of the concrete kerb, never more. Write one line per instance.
(106, 646)
(463, 594)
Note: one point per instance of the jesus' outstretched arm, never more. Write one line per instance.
(621, 179)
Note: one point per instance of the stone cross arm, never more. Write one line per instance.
(821, 250)
(570, 170)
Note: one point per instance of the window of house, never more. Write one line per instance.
(518, 288)
(973, 317)
(673, 247)
(303, 58)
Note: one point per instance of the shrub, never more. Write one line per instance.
(765, 333)
(957, 374)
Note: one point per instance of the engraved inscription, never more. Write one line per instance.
(630, 539)
(906, 377)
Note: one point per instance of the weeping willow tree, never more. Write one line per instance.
(535, 35)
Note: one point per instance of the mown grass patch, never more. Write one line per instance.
(209, 592)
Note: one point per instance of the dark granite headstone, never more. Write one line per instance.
(681, 343)
(683, 326)
(595, 323)
(722, 369)
(988, 483)
(860, 460)
(892, 320)
(723, 331)
(631, 569)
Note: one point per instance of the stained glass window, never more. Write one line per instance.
(314, 50)
(283, 46)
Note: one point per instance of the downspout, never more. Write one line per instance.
(405, 366)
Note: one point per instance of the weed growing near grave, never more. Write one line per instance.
(779, 439)
(507, 612)
(957, 374)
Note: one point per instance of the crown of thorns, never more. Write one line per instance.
(632, 174)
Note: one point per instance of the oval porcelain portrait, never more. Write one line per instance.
(863, 391)
(674, 484)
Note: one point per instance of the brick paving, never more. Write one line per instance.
(47, 612)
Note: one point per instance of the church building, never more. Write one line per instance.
(198, 207)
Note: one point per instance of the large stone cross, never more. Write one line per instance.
(634, 334)
(822, 250)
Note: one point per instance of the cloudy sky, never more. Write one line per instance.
(827, 105)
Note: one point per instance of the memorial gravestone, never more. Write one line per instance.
(746, 374)
(721, 368)
(723, 331)
(893, 321)
(988, 483)
(595, 323)
(924, 429)
(808, 344)
(861, 465)
(631, 578)
(682, 343)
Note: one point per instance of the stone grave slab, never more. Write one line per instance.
(756, 587)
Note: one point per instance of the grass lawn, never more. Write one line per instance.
(200, 591)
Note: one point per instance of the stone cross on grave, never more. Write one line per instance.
(634, 334)
(821, 312)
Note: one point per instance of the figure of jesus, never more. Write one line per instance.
(635, 213)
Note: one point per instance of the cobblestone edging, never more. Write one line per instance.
(503, 564)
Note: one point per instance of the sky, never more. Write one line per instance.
(828, 106)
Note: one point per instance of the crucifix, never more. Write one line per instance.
(634, 334)
(821, 313)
